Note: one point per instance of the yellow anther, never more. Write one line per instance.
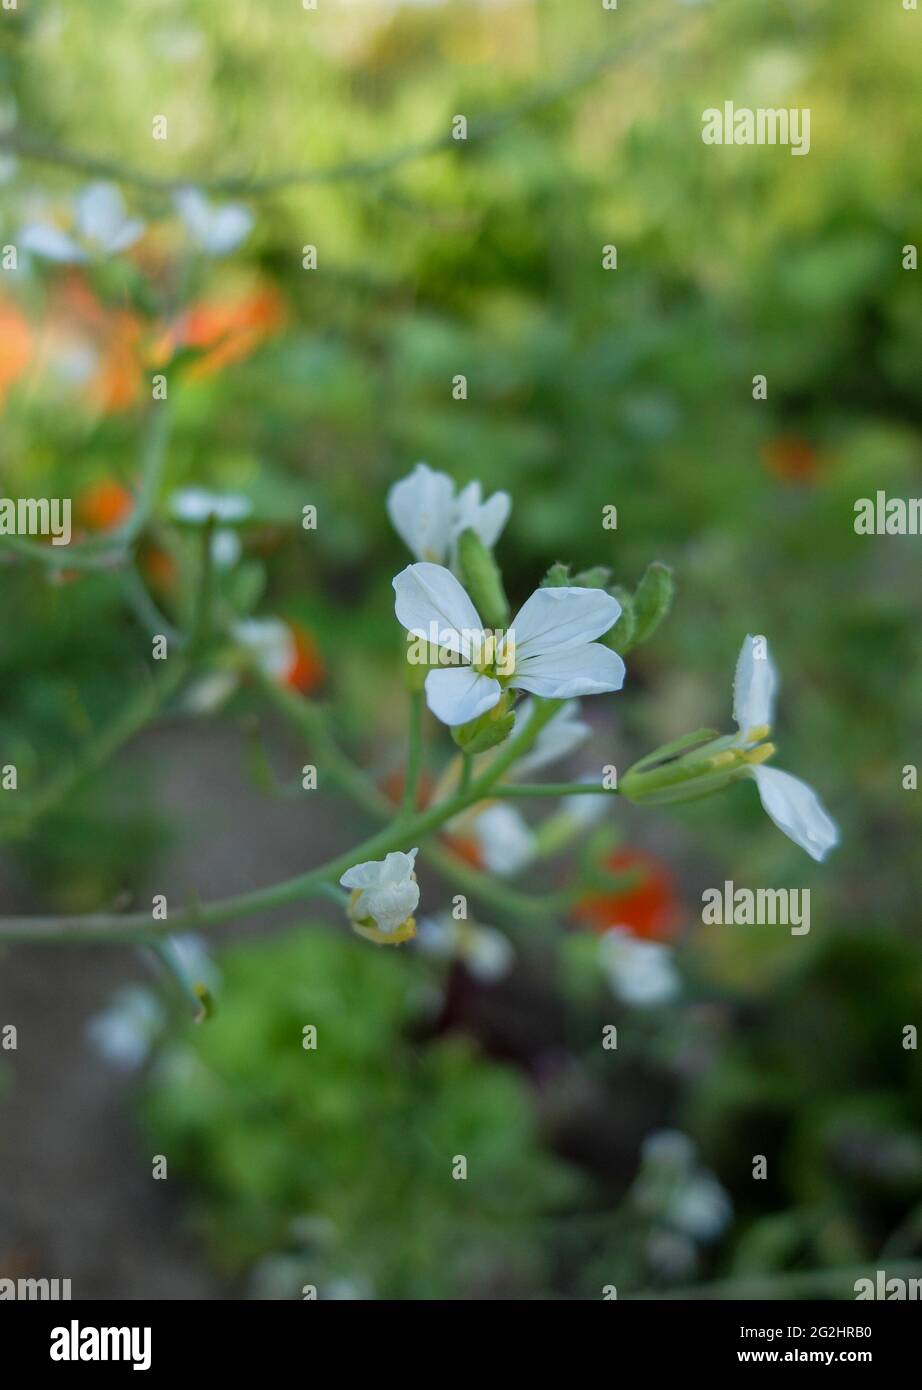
(723, 759)
(757, 734)
(759, 755)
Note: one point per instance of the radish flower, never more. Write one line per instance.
(384, 897)
(548, 649)
(100, 228)
(429, 518)
(790, 803)
(215, 230)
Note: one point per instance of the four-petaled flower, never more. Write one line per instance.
(384, 897)
(548, 649)
(100, 228)
(792, 804)
(428, 516)
(215, 230)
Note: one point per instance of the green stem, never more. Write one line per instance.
(414, 754)
(138, 712)
(798, 1284)
(553, 789)
(139, 926)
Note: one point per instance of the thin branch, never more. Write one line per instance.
(30, 145)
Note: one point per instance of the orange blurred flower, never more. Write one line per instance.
(791, 459)
(223, 330)
(15, 345)
(78, 326)
(104, 505)
(307, 671)
(651, 910)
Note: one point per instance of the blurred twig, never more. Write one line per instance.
(31, 145)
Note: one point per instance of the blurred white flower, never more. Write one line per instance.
(196, 962)
(384, 897)
(101, 227)
(124, 1032)
(791, 804)
(215, 230)
(196, 505)
(640, 973)
(505, 841)
(271, 644)
(548, 649)
(561, 735)
(225, 548)
(428, 516)
(484, 952)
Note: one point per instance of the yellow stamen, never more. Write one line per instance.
(723, 759)
(757, 734)
(759, 755)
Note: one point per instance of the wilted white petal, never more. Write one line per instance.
(398, 866)
(420, 508)
(388, 893)
(563, 733)
(565, 672)
(458, 694)
(505, 840)
(754, 686)
(560, 619)
(797, 811)
(430, 601)
(49, 242)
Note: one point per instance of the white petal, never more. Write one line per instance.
(398, 866)
(457, 694)
(192, 206)
(100, 212)
(126, 235)
(420, 509)
(228, 226)
(797, 810)
(560, 619)
(560, 736)
(390, 904)
(366, 875)
(754, 685)
(433, 605)
(564, 673)
(639, 972)
(487, 519)
(270, 642)
(49, 242)
(487, 954)
(505, 840)
(197, 504)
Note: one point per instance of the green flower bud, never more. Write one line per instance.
(490, 729)
(652, 600)
(483, 580)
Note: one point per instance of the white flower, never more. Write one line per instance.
(215, 230)
(196, 961)
(225, 548)
(548, 650)
(638, 972)
(485, 952)
(196, 505)
(792, 804)
(385, 895)
(504, 839)
(125, 1031)
(562, 734)
(101, 228)
(429, 518)
(271, 644)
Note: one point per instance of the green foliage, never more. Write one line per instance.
(355, 1138)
